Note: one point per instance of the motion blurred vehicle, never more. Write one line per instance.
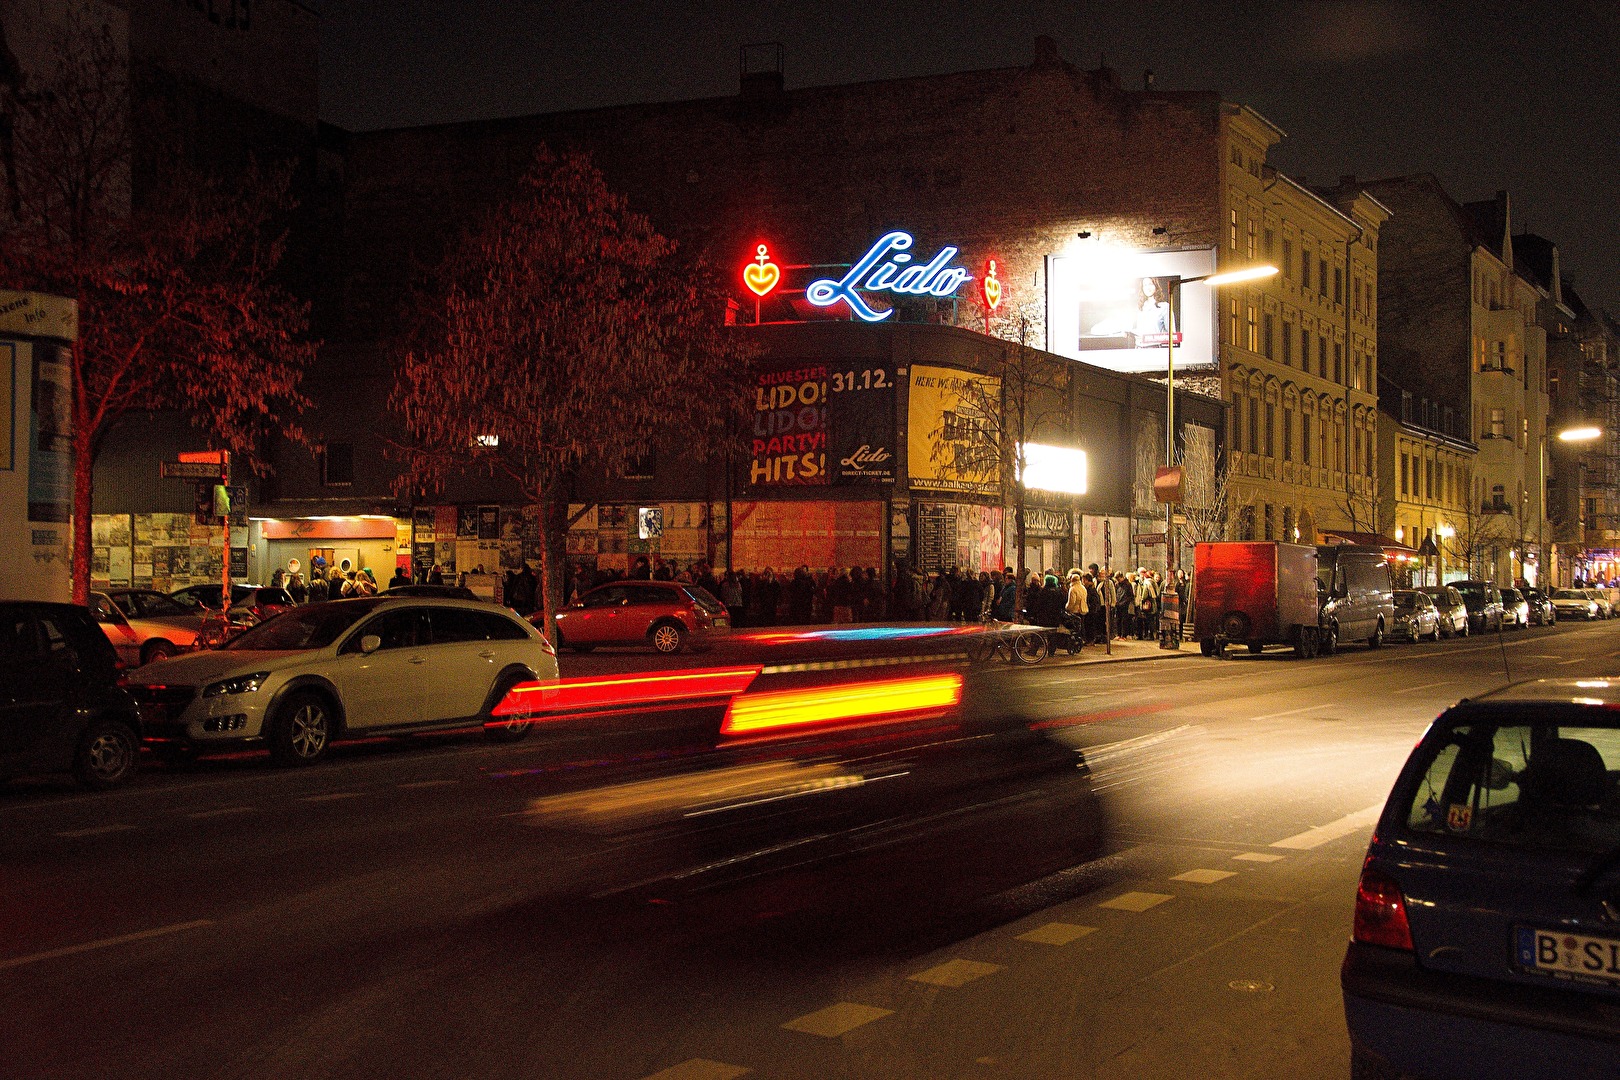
(1484, 603)
(1515, 609)
(1415, 616)
(61, 708)
(668, 615)
(1486, 939)
(1356, 595)
(143, 638)
(1541, 609)
(1448, 604)
(1257, 594)
(874, 745)
(442, 592)
(249, 603)
(1574, 604)
(1605, 609)
(374, 665)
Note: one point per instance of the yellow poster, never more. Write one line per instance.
(952, 430)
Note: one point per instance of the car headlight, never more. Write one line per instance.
(242, 684)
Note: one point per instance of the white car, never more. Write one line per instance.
(1574, 604)
(364, 666)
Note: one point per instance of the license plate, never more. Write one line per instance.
(722, 622)
(1563, 955)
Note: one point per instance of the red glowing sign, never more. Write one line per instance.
(990, 285)
(761, 275)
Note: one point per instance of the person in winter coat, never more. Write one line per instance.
(801, 597)
(1006, 606)
(1046, 603)
(1076, 610)
(939, 599)
(767, 597)
(1147, 604)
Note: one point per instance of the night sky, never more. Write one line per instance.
(1487, 95)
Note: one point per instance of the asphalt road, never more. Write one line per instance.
(395, 911)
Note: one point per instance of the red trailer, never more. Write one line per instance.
(1255, 593)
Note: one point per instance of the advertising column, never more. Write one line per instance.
(36, 446)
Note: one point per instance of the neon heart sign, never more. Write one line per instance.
(761, 275)
(883, 269)
(991, 286)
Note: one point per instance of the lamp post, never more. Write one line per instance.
(1583, 433)
(1170, 630)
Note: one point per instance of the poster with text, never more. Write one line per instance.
(817, 425)
(952, 423)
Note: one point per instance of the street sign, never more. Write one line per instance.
(1148, 538)
(192, 470)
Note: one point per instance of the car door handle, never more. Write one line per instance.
(418, 660)
(487, 654)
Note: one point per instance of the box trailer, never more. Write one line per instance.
(1255, 593)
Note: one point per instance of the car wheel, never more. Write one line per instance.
(302, 730)
(505, 731)
(106, 755)
(668, 638)
(157, 650)
(1329, 638)
(1377, 640)
(1412, 634)
(1207, 646)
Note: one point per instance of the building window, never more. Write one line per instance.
(1254, 330)
(1321, 276)
(1235, 337)
(1237, 157)
(1448, 420)
(1498, 428)
(1287, 258)
(1355, 295)
(1338, 285)
(1304, 268)
(1254, 425)
(1524, 432)
(1246, 522)
(1288, 344)
(1271, 530)
(1428, 480)
(1268, 326)
(1288, 434)
(1270, 238)
(1321, 356)
(1251, 239)
(1406, 475)
(1305, 438)
(1406, 406)
(1271, 432)
(337, 464)
(1591, 509)
(1288, 523)
(1234, 228)
(1304, 349)
(1498, 497)
(1552, 386)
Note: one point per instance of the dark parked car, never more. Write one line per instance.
(1484, 603)
(1541, 609)
(61, 708)
(1486, 940)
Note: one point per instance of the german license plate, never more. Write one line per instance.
(722, 621)
(1563, 955)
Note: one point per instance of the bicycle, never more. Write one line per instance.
(1026, 646)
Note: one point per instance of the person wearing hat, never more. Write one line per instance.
(1075, 611)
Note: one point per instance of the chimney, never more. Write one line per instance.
(760, 70)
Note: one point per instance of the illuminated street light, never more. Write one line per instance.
(1580, 434)
(1231, 277)
(1585, 433)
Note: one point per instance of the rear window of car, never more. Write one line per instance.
(1569, 594)
(1523, 782)
(312, 627)
(705, 599)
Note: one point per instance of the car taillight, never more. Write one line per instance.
(545, 643)
(1381, 912)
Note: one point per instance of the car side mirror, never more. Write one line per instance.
(370, 644)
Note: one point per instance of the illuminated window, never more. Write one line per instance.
(1251, 239)
(1253, 330)
(1234, 236)
(1233, 335)
(1498, 428)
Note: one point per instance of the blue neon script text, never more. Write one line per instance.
(883, 269)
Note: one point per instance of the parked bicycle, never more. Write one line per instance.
(1009, 642)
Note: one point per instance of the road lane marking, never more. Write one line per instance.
(104, 943)
(222, 812)
(1333, 830)
(836, 1020)
(1095, 717)
(99, 830)
(336, 795)
(1204, 877)
(1256, 856)
(1136, 901)
(443, 783)
(700, 1069)
(1424, 686)
(1057, 933)
(955, 973)
(1289, 712)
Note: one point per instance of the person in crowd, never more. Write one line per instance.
(767, 598)
(1076, 610)
(731, 595)
(1046, 602)
(1092, 627)
(296, 587)
(640, 570)
(801, 597)
(400, 578)
(1006, 606)
(318, 592)
(1147, 604)
(707, 580)
(436, 575)
(841, 597)
(662, 571)
(939, 598)
(278, 580)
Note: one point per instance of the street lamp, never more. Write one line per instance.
(1584, 433)
(1170, 635)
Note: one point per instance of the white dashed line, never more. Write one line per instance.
(336, 795)
(223, 812)
(99, 830)
(104, 943)
(1322, 834)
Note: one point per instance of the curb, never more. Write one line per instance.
(1163, 654)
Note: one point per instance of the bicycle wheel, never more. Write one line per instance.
(1030, 647)
(982, 647)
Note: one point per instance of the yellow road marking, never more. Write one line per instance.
(836, 1020)
(1204, 877)
(1057, 933)
(955, 973)
(1258, 856)
(1136, 901)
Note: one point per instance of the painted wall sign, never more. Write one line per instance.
(887, 267)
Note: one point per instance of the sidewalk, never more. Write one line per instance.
(1124, 651)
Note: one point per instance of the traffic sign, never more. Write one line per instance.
(192, 470)
(1148, 538)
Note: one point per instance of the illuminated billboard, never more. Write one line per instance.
(1111, 306)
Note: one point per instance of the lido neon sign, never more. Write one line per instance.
(884, 269)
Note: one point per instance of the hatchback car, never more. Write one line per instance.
(1541, 609)
(1486, 937)
(144, 626)
(345, 667)
(1574, 604)
(1415, 616)
(61, 708)
(668, 615)
(1484, 603)
(1448, 604)
(1605, 609)
(1515, 609)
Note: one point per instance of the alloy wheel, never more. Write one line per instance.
(308, 730)
(108, 755)
(666, 639)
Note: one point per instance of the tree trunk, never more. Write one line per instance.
(553, 566)
(84, 460)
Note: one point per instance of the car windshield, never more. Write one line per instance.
(1406, 599)
(1524, 781)
(1473, 596)
(312, 627)
(705, 599)
(157, 605)
(1568, 594)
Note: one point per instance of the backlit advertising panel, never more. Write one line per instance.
(1112, 307)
